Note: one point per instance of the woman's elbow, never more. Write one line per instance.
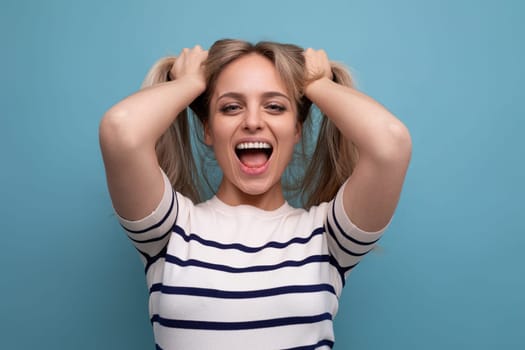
(115, 131)
(395, 145)
(402, 140)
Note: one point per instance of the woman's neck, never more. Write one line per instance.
(270, 200)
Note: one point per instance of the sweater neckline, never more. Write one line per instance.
(245, 209)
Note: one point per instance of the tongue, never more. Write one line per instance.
(253, 159)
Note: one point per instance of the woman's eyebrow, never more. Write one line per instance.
(240, 96)
(275, 94)
(235, 95)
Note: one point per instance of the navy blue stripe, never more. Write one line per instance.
(258, 268)
(155, 239)
(225, 294)
(157, 347)
(347, 251)
(151, 260)
(158, 223)
(342, 270)
(324, 342)
(233, 326)
(273, 244)
(344, 233)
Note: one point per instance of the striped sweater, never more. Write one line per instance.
(224, 277)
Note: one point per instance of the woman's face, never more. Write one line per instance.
(253, 129)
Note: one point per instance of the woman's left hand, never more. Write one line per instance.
(317, 65)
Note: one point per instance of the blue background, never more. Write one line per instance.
(450, 271)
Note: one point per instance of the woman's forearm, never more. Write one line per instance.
(371, 127)
(140, 119)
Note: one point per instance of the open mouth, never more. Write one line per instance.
(253, 154)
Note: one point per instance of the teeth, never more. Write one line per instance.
(253, 145)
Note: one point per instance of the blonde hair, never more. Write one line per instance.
(331, 162)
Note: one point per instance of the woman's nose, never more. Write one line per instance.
(253, 120)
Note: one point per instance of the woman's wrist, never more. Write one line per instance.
(193, 83)
(317, 87)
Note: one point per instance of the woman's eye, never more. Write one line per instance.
(276, 108)
(230, 108)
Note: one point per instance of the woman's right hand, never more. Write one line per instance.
(190, 64)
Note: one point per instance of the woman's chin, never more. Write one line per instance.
(259, 188)
(251, 192)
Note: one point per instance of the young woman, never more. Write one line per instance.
(244, 269)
